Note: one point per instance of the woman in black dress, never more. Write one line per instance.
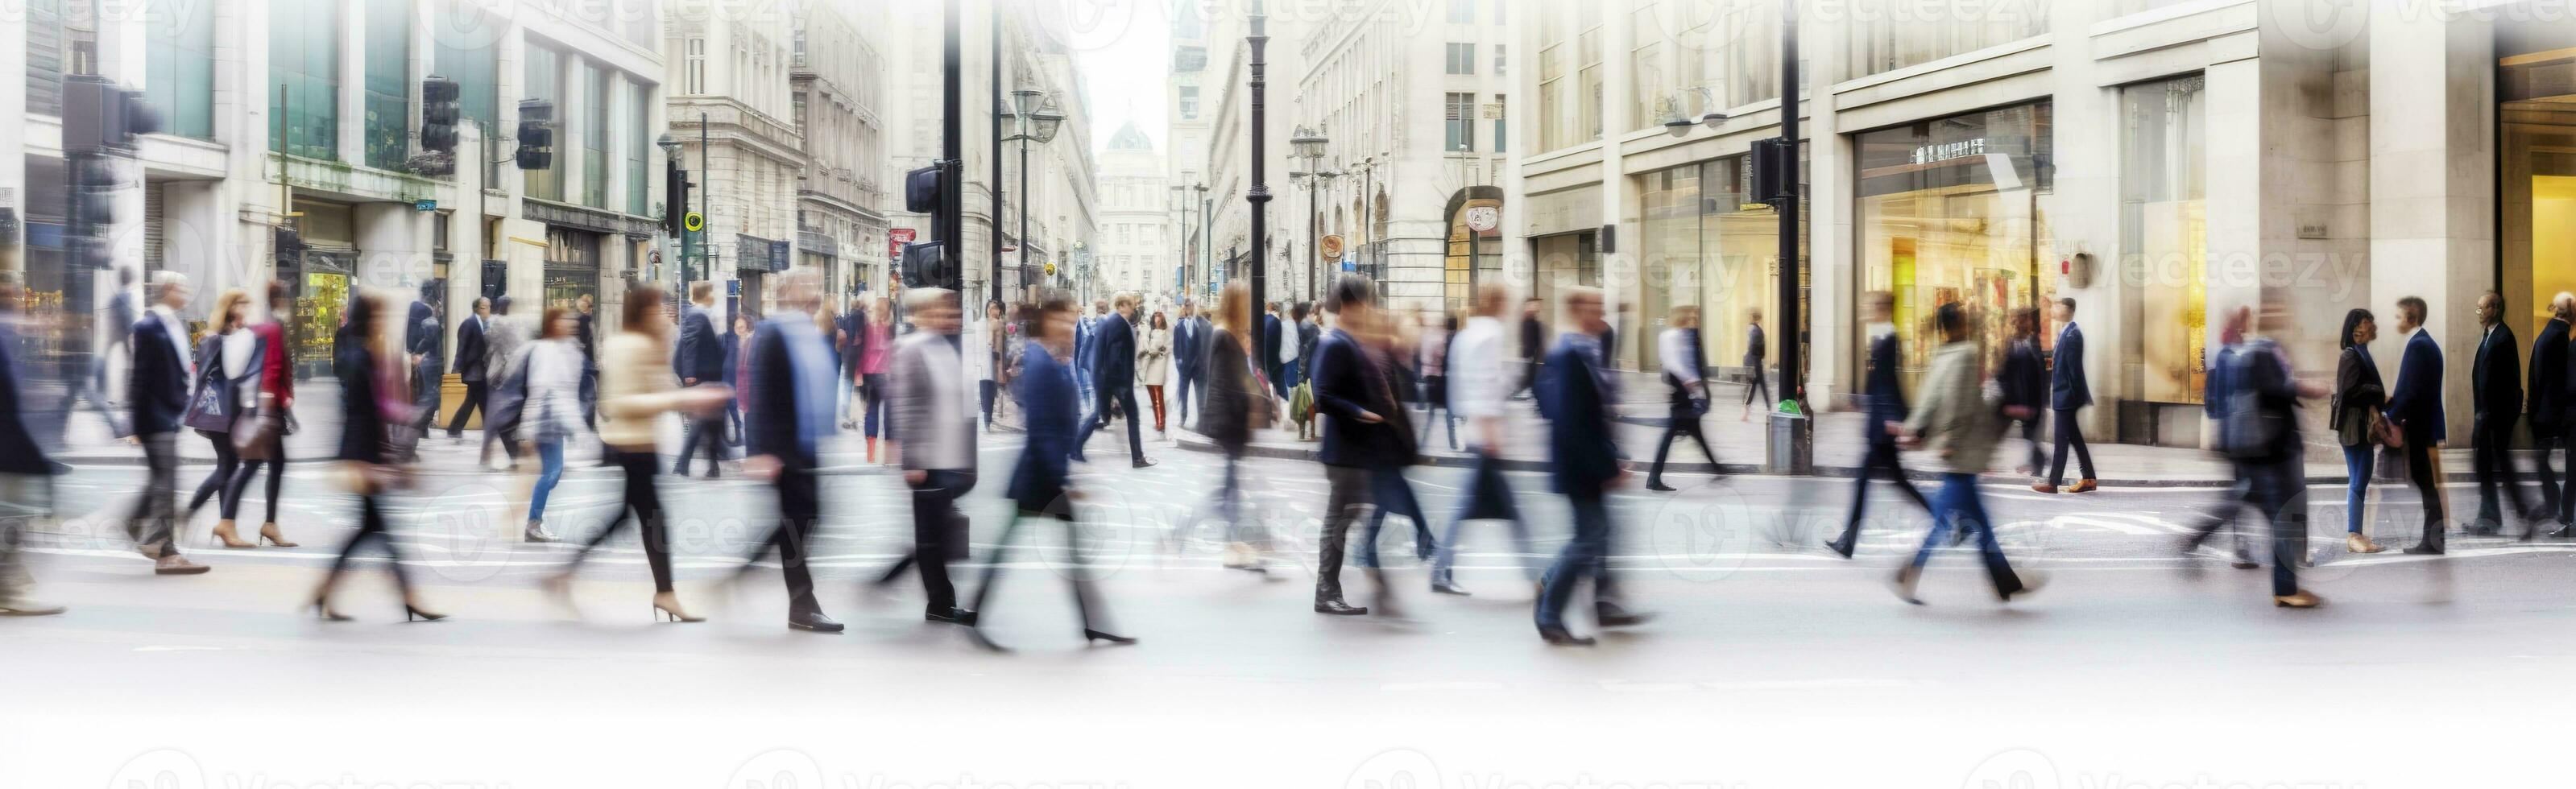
(370, 400)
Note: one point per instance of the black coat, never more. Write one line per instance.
(2495, 379)
(422, 337)
(1113, 361)
(1348, 382)
(2553, 390)
(700, 353)
(362, 428)
(471, 352)
(1884, 389)
(1227, 418)
(156, 388)
(2025, 376)
(19, 452)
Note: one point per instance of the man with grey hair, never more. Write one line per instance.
(157, 394)
(2552, 408)
(792, 410)
(936, 445)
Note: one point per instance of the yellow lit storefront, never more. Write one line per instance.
(2538, 181)
(1954, 210)
(1706, 244)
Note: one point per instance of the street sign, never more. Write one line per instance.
(424, 205)
(693, 222)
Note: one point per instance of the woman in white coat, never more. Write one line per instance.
(977, 349)
(1154, 365)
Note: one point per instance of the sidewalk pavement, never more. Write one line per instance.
(1839, 446)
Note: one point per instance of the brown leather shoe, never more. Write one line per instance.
(2083, 486)
(2354, 543)
(176, 565)
(2044, 488)
(2304, 599)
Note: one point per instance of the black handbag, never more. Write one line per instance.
(210, 406)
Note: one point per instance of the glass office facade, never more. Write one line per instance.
(544, 79)
(179, 68)
(388, 99)
(2164, 235)
(1707, 244)
(304, 79)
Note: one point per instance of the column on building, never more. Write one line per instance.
(2432, 183)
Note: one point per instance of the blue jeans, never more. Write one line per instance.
(2357, 464)
(1960, 506)
(1488, 497)
(1587, 554)
(1393, 496)
(550, 456)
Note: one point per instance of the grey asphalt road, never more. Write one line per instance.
(1768, 664)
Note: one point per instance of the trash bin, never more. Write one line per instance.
(1791, 447)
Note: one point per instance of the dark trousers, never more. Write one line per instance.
(644, 506)
(474, 394)
(1489, 497)
(2030, 435)
(874, 419)
(371, 528)
(1125, 398)
(2231, 504)
(939, 532)
(1759, 384)
(1882, 461)
(155, 521)
(1086, 595)
(984, 390)
(218, 483)
(425, 383)
(799, 509)
(276, 465)
(2491, 451)
(1191, 381)
(2068, 435)
(1960, 506)
(2279, 488)
(2557, 493)
(1348, 500)
(1684, 422)
(696, 432)
(1393, 495)
(1586, 555)
(2419, 469)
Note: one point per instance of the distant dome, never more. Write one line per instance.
(1129, 138)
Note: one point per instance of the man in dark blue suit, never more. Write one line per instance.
(157, 392)
(470, 367)
(1189, 354)
(426, 340)
(2553, 410)
(699, 361)
(26, 476)
(1042, 484)
(793, 367)
(2495, 387)
(1113, 379)
(2416, 408)
(1086, 349)
(1885, 396)
(1576, 395)
(1268, 355)
(2068, 394)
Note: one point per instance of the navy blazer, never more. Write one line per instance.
(732, 359)
(1347, 383)
(1580, 451)
(1046, 395)
(2553, 393)
(19, 452)
(2417, 403)
(1886, 391)
(1186, 339)
(470, 361)
(156, 388)
(2495, 377)
(422, 337)
(770, 427)
(700, 354)
(1113, 356)
(362, 428)
(2067, 389)
(1269, 346)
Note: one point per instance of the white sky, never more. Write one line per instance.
(1122, 50)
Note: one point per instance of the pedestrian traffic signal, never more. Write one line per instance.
(921, 190)
(98, 115)
(439, 112)
(536, 135)
(1775, 167)
(925, 265)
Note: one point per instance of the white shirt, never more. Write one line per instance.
(178, 331)
(1673, 348)
(1477, 383)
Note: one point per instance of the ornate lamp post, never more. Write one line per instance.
(1309, 146)
(1040, 124)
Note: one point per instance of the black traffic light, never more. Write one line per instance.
(925, 265)
(93, 192)
(99, 115)
(921, 190)
(290, 248)
(439, 112)
(1775, 166)
(536, 135)
(675, 207)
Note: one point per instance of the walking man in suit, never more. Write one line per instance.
(1086, 346)
(1189, 338)
(426, 341)
(2416, 408)
(2495, 387)
(1756, 351)
(699, 361)
(1113, 379)
(1577, 396)
(471, 350)
(2553, 411)
(1271, 365)
(157, 392)
(502, 335)
(937, 446)
(2068, 394)
(792, 411)
(1884, 394)
(26, 475)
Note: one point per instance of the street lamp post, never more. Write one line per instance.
(1259, 197)
(1038, 123)
(1309, 146)
(675, 206)
(1183, 193)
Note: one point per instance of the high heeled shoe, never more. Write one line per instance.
(269, 533)
(230, 537)
(412, 613)
(1089, 635)
(322, 610)
(668, 605)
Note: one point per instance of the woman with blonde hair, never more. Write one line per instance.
(229, 361)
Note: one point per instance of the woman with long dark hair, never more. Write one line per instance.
(1233, 397)
(2358, 396)
(272, 411)
(636, 387)
(877, 347)
(228, 361)
(552, 414)
(372, 398)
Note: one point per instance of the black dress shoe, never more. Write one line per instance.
(1144, 462)
(1445, 586)
(1840, 547)
(1335, 606)
(953, 616)
(813, 621)
(1609, 614)
(1658, 485)
(1558, 636)
(2421, 549)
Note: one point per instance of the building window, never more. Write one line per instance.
(304, 58)
(1736, 56)
(1501, 64)
(545, 81)
(388, 99)
(1461, 123)
(2164, 233)
(1189, 59)
(1463, 12)
(476, 67)
(639, 147)
(1502, 124)
(180, 68)
(1462, 59)
(697, 73)
(1884, 37)
(1189, 102)
(1555, 122)
(1650, 82)
(1954, 210)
